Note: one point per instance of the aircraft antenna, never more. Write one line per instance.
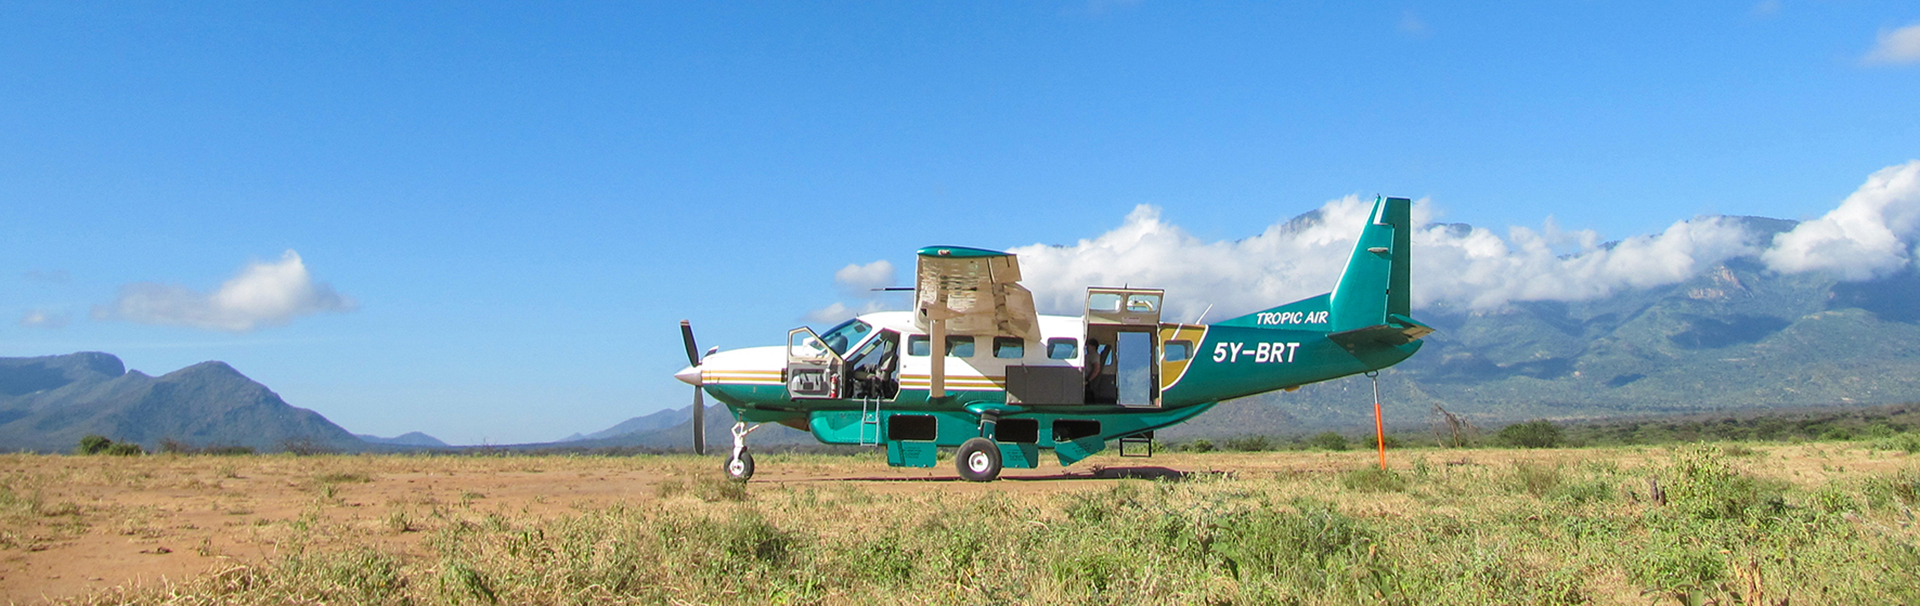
(1203, 314)
(1379, 425)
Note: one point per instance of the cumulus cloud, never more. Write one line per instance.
(265, 293)
(856, 281)
(1454, 264)
(839, 312)
(1896, 47)
(1866, 236)
(1870, 233)
(860, 280)
(44, 318)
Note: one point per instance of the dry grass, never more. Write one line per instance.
(1824, 523)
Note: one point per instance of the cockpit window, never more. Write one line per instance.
(848, 333)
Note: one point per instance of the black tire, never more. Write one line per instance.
(740, 469)
(978, 460)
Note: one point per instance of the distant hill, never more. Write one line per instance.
(411, 438)
(1735, 337)
(48, 403)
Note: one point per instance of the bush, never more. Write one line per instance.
(1328, 440)
(1531, 434)
(1249, 444)
(125, 449)
(92, 444)
(1200, 445)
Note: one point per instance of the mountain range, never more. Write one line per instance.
(48, 403)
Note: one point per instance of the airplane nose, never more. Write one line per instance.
(689, 375)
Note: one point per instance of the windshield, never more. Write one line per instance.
(848, 333)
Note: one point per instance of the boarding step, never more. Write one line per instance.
(1142, 444)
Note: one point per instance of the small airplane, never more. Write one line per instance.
(973, 366)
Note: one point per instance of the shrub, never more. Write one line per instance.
(1249, 444)
(93, 444)
(1531, 434)
(1702, 485)
(1328, 440)
(125, 449)
(1200, 445)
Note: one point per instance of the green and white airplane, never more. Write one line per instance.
(973, 366)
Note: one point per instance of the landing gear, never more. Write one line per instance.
(978, 460)
(740, 466)
(740, 463)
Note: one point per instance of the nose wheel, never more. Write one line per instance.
(739, 465)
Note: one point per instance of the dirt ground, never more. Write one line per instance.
(71, 525)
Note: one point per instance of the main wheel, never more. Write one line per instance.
(978, 460)
(740, 468)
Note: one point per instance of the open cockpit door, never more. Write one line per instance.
(1122, 363)
(813, 370)
(970, 291)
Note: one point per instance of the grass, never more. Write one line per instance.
(1811, 524)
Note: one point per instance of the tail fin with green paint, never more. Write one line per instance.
(1370, 304)
(1373, 288)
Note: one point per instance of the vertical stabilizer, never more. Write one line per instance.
(1375, 281)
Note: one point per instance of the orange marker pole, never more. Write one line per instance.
(1380, 432)
(1379, 423)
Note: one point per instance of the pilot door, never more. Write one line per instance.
(813, 370)
(1122, 329)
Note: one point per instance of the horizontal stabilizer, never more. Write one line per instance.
(1399, 330)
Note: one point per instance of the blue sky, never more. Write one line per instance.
(513, 204)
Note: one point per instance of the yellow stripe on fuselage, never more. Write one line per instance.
(748, 377)
(953, 382)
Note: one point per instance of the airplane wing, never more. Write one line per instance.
(973, 292)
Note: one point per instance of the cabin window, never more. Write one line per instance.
(960, 347)
(1143, 303)
(1177, 351)
(1103, 301)
(1063, 349)
(1009, 347)
(917, 346)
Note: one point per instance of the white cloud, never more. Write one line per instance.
(1452, 264)
(1867, 235)
(44, 318)
(263, 294)
(839, 312)
(1896, 46)
(860, 280)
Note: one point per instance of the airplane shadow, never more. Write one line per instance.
(1164, 474)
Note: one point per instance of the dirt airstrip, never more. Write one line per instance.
(72, 525)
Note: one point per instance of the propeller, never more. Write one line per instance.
(699, 401)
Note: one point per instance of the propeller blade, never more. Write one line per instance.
(693, 351)
(699, 423)
(699, 401)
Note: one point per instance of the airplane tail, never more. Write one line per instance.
(1371, 303)
(1373, 289)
